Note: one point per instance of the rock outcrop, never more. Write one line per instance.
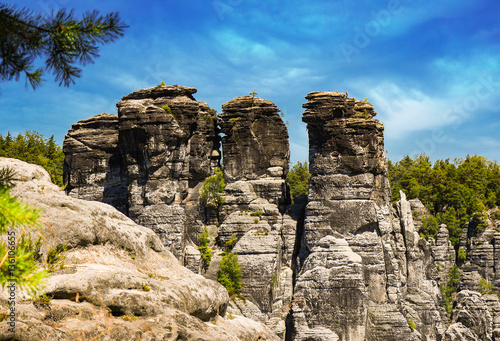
(93, 166)
(348, 284)
(149, 161)
(340, 264)
(118, 281)
(362, 275)
(256, 139)
(256, 156)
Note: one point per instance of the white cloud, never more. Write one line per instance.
(407, 110)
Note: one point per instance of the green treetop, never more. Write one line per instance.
(298, 179)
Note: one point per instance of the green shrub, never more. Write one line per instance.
(167, 109)
(259, 213)
(231, 242)
(298, 179)
(485, 287)
(449, 289)
(429, 228)
(229, 273)
(205, 250)
(479, 221)
(412, 324)
(212, 189)
(462, 255)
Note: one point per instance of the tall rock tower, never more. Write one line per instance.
(348, 280)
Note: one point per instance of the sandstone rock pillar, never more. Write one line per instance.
(347, 285)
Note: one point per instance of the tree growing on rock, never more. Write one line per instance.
(211, 192)
(298, 179)
(229, 272)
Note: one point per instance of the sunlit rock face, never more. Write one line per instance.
(149, 161)
(348, 279)
(256, 139)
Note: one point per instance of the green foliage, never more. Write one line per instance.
(429, 228)
(496, 215)
(298, 179)
(229, 273)
(13, 213)
(212, 189)
(462, 255)
(259, 213)
(55, 260)
(253, 93)
(59, 40)
(485, 287)
(479, 221)
(145, 287)
(454, 192)
(167, 109)
(19, 252)
(231, 242)
(205, 250)
(412, 324)
(32, 147)
(161, 84)
(25, 270)
(449, 290)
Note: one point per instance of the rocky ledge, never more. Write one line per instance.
(118, 281)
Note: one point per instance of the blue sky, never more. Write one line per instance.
(431, 69)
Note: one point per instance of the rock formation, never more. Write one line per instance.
(149, 161)
(340, 264)
(256, 155)
(93, 167)
(348, 284)
(118, 281)
(256, 137)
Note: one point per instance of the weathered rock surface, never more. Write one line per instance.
(256, 139)
(119, 282)
(149, 161)
(362, 275)
(342, 263)
(93, 167)
(256, 156)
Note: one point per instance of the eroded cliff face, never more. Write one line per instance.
(149, 161)
(358, 265)
(256, 155)
(340, 264)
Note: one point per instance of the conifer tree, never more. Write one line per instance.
(60, 39)
(18, 251)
